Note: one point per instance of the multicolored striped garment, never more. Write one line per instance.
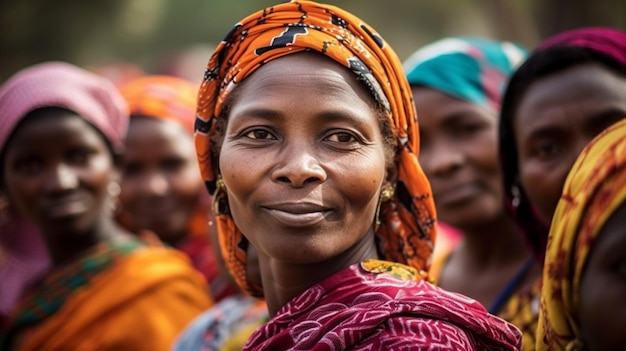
(362, 306)
(594, 189)
(121, 296)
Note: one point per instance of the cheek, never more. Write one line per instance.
(187, 184)
(602, 310)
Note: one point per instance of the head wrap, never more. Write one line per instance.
(407, 230)
(605, 42)
(594, 189)
(162, 97)
(471, 69)
(52, 84)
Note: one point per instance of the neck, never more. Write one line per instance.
(66, 248)
(282, 281)
(506, 243)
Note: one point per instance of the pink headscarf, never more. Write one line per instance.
(51, 84)
(607, 41)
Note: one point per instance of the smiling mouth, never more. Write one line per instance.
(64, 209)
(298, 215)
(457, 195)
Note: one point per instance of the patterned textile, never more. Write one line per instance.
(521, 308)
(122, 297)
(357, 309)
(607, 42)
(594, 189)
(407, 231)
(50, 84)
(164, 97)
(51, 293)
(224, 327)
(471, 69)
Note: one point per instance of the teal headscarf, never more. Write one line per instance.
(471, 69)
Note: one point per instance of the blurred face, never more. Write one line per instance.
(303, 160)
(459, 156)
(603, 287)
(555, 119)
(161, 182)
(57, 169)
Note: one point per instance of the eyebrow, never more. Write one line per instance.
(330, 116)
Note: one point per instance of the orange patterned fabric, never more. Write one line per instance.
(407, 231)
(594, 189)
(163, 97)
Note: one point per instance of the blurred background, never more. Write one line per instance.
(120, 37)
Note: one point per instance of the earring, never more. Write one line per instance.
(220, 203)
(516, 194)
(386, 194)
(114, 190)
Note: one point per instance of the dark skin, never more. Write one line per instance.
(459, 156)
(315, 161)
(57, 169)
(161, 183)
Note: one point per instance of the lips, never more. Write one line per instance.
(297, 214)
(65, 207)
(458, 194)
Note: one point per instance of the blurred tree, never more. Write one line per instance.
(148, 33)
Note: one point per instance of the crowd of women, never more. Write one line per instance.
(316, 192)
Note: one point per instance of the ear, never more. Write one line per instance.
(118, 153)
(391, 175)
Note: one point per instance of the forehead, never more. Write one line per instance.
(579, 92)
(47, 128)
(302, 70)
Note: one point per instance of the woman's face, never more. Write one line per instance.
(458, 153)
(161, 182)
(555, 119)
(303, 160)
(57, 168)
(603, 288)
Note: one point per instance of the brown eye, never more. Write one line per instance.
(259, 134)
(342, 137)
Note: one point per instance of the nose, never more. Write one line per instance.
(155, 184)
(62, 178)
(299, 165)
(441, 159)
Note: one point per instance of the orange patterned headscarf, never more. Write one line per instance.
(594, 189)
(164, 97)
(407, 231)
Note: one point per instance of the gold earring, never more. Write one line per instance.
(114, 190)
(386, 194)
(220, 203)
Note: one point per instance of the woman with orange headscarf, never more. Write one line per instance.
(582, 298)
(162, 190)
(307, 136)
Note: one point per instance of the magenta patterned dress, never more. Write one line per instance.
(368, 306)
